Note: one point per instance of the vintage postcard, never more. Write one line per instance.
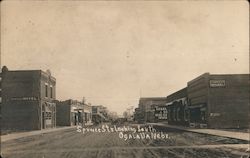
(124, 79)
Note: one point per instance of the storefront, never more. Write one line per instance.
(69, 113)
(48, 115)
(178, 113)
(198, 116)
(87, 111)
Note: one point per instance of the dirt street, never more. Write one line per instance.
(72, 144)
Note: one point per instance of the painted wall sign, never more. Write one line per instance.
(217, 83)
(24, 98)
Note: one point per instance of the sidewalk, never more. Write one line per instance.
(216, 132)
(12, 136)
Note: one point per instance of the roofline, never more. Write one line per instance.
(198, 77)
(152, 98)
(207, 74)
(176, 92)
(227, 74)
(52, 77)
(37, 70)
(22, 70)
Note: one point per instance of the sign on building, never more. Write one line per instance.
(161, 112)
(217, 83)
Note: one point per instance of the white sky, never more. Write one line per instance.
(114, 52)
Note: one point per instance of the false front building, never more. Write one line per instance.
(69, 113)
(28, 100)
(72, 112)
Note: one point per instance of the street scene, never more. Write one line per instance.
(124, 79)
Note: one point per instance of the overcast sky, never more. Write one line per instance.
(112, 53)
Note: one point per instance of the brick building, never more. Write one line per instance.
(219, 100)
(28, 100)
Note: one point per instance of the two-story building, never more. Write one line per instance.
(28, 100)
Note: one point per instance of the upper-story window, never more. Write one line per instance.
(46, 90)
(51, 92)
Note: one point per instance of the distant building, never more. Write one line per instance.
(72, 112)
(138, 116)
(128, 114)
(28, 100)
(219, 100)
(99, 114)
(87, 110)
(147, 107)
(69, 113)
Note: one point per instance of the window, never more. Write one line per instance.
(46, 90)
(178, 114)
(51, 92)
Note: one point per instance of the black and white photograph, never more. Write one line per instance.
(124, 79)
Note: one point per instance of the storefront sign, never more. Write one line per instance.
(24, 98)
(217, 83)
(214, 114)
(161, 112)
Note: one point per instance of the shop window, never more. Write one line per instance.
(51, 92)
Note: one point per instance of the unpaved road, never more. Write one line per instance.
(71, 144)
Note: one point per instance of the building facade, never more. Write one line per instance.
(208, 101)
(138, 115)
(219, 100)
(69, 113)
(72, 112)
(28, 100)
(147, 107)
(177, 108)
(87, 110)
(99, 114)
